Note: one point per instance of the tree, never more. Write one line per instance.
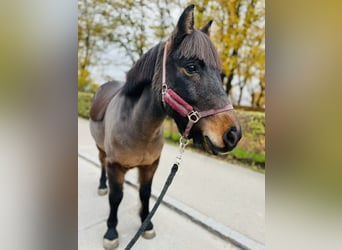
(130, 26)
(130, 20)
(163, 20)
(140, 24)
(240, 37)
(92, 35)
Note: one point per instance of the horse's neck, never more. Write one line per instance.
(147, 111)
(148, 114)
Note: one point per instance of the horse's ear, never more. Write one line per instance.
(185, 23)
(185, 26)
(206, 28)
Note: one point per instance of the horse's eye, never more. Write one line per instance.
(191, 68)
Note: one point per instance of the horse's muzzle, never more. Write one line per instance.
(231, 138)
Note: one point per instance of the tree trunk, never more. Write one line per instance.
(262, 93)
(240, 95)
(231, 73)
(229, 82)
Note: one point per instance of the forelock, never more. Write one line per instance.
(198, 45)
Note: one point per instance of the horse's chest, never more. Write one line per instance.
(138, 155)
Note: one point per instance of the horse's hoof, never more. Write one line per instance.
(102, 191)
(110, 244)
(149, 234)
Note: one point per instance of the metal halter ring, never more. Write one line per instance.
(194, 116)
(183, 142)
(164, 88)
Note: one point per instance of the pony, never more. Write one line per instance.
(179, 78)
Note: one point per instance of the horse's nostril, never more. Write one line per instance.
(231, 137)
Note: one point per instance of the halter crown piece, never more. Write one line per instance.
(183, 108)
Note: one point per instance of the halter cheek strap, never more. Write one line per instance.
(183, 108)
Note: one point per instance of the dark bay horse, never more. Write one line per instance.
(179, 78)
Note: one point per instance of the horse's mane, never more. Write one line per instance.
(141, 74)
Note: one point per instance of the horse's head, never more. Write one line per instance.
(192, 71)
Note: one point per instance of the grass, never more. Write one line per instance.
(252, 159)
(256, 158)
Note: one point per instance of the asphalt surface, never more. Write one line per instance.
(228, 198)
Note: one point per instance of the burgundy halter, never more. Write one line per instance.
(183, 108)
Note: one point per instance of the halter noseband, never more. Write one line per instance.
(183, 108)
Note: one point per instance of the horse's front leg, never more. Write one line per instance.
(116, 176)
(146, 174)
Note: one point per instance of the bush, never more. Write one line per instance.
(84, 103)
(251, 148)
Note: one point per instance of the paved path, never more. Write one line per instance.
(173, 231)
(231, 195)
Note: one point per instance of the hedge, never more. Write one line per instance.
(252, 144)
(250, 150)
(84, 103)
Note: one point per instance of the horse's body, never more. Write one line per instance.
(132, 138)
(126, 120)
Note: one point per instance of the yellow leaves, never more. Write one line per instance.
(258, 99)
(85, 83)
(233, 12)
(83, 79)
(94, 87)
(159, 31)
(98, 29)
(239, 35)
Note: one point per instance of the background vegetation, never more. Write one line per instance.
(84, 103)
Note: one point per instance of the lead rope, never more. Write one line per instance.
(182, 144)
